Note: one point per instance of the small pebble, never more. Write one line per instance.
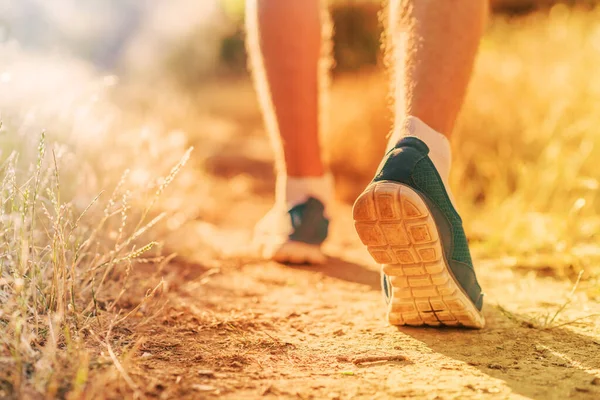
(540, 348)
(203, 388)
(207, 373)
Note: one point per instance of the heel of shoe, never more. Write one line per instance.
(397, 227)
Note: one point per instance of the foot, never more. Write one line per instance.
(295, 235)
(407, 221)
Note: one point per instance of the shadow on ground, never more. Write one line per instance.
(537, 363)
(540, 364)
(346, 271)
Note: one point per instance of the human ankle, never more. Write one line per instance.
(294, 190)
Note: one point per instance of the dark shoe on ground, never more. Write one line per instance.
(410, 226)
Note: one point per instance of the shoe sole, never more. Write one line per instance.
(397, 227)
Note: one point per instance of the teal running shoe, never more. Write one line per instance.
(409, 225)
(293, 236)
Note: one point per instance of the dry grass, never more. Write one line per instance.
(549, 319)
(68, 248)
(527, 147)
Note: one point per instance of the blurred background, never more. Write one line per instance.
(132, 84)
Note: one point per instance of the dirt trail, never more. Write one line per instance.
(237, 328)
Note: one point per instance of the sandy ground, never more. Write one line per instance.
(239, 328)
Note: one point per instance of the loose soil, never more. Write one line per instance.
(234, 327)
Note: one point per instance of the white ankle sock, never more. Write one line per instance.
(296, 190)
(440, 151)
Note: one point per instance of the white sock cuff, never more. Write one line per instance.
(440, 150)
(296, 190)
(436, 141)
